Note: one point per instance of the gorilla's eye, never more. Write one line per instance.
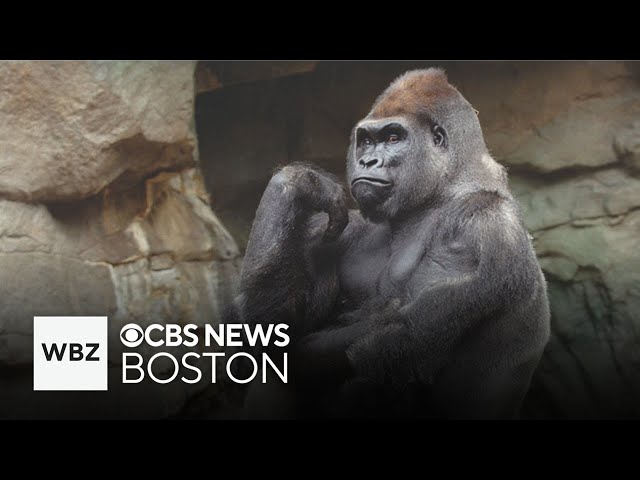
(367, 141)
(393, 138)
(439, 136)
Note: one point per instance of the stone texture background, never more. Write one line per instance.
(104, 210)
(569, 133)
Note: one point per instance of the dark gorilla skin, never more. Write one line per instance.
(428, 301)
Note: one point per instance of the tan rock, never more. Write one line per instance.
(103, 212)
(49, 284)
(627, 145)
(69, 129)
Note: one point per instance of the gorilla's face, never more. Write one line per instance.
(395, 164)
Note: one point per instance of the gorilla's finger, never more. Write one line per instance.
(338, 220)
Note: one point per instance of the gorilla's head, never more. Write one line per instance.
(420, 138)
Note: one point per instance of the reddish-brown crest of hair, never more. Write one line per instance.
(413, 93)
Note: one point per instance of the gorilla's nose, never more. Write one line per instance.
(368, 162)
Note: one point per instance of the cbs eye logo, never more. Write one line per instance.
(131, 335)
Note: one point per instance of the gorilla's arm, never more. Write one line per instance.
(417, 338)
(282, 280)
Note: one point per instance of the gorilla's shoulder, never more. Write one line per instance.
(483, 198)
(483, 202)
(489, 215)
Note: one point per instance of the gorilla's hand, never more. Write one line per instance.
(320, 192)
(376, 313)
(321, 357)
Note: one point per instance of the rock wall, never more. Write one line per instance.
(103, 211)
(569, 132)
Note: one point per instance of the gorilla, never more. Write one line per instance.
(426, 302)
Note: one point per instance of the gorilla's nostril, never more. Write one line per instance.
(372, 162)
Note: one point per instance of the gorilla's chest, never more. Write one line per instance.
(378, 269)
(421, 263)
(362, 265)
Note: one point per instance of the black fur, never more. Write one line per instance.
(429, 300)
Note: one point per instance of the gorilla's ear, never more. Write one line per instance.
(439, 136)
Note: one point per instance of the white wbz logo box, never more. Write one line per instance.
(70, 353)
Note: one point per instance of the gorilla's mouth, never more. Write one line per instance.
(373, 180)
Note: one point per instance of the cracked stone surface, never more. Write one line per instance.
(103, 211)
(69, 129)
